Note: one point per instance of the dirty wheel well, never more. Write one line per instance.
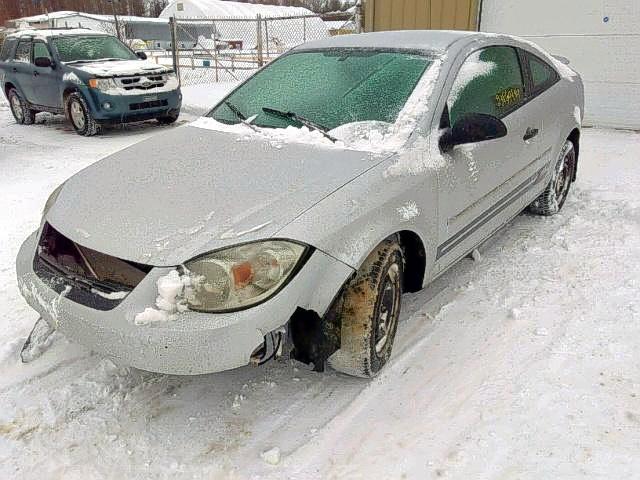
(8, 86)
(574, 137)
(415, 260)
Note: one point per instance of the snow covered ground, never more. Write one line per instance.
(521, 364)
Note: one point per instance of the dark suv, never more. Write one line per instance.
(91, 77)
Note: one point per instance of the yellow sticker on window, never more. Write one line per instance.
(508, 96)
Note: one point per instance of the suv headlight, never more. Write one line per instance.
(240, 277)
(103, 84)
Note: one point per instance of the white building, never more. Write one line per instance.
(600, 38)
(238, 22)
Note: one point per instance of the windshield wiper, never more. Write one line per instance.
(311, 125)
(236, 111)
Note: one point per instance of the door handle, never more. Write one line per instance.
(530, 133)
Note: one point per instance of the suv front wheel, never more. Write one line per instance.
(20, 110)
(80, 116)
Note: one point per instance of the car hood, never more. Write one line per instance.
(120, 67)
(188, 191)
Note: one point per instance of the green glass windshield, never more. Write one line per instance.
(91, 48)
(330, 88)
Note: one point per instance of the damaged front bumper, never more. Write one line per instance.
(193, 343)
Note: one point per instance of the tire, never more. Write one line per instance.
(369, 309)
(555, 194)
(20, 110)
(168, 119)
(80, 116)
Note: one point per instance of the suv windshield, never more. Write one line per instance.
(91, 48)
(328, 87)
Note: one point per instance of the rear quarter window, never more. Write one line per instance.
(543, 75)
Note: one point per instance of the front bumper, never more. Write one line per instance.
(194, 343)
(133, 108)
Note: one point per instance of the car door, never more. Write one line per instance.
(545, 106)
(45, 81)
(481, 184)
(20, 68)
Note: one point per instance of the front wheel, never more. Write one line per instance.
(80, 116)
(369, 310)
(20, 110)
(168, 119)
(552, 199)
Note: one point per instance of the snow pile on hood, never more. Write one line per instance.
(173, 291)
(276, 136)
(122, 67)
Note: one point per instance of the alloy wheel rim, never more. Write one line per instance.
(564, 171)
(16, 106)
(77, 115)
(388, 309)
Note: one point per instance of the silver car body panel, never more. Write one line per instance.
(195, 342)
(191, 191)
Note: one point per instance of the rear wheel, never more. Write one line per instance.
(80, 116)
(369, 309)
(20, 110)
(552, 199)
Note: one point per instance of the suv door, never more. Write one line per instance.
(45, 81)
(482, 185)
(20, 68)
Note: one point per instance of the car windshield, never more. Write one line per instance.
(91, 48)
(327, 87)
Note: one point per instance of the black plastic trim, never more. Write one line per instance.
(487, 215)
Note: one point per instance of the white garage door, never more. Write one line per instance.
(601, 38)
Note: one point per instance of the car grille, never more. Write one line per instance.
(97, 280)
(142, 82)
(151, 104)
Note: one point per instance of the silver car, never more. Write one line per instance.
(297, 212)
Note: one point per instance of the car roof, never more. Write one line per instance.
(427, 40)
(57, 32)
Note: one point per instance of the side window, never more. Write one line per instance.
(7, 49)
(542, 74)
(40, 50)
(23, 52)
(489, 81)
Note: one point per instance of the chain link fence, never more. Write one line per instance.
(207, 50)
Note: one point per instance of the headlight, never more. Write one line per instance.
(52, 199)
(243, 276)
(103, 84)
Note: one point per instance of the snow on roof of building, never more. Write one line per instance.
(55, 33)
(219, 8)
(102, 18)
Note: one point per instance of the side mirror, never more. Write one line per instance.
(43, 62)
(141, 55)
(472, 128)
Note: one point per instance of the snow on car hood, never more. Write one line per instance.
(120, 67)
(190, 190)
